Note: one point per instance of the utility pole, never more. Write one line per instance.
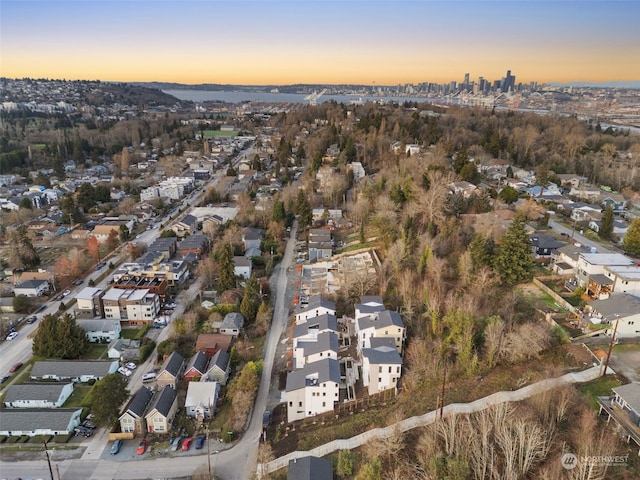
(613, 337)
(444, 381)
(46, 452)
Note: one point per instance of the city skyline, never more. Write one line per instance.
(352, 42)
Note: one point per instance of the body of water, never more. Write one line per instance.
(241, 96)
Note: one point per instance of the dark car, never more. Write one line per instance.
(32, 319)
(200, 441)
(115, 448)
(82, 431)
(266, 419)
(16, 367)
(4, 379)
(88, 424)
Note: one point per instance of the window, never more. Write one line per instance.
(379, 379)
(389, 369)
(291, 404)
(324, 404)
(379, 369)
(299, 404)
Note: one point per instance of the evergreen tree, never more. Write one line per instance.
(508, 195)
(25, 202)
(251, 300)
(303, 209)
(279, 212)
(514, 261)
(59, 338)
(606, 224)
(107, 396)
(631, 240)
(226, 278)
(481, 250)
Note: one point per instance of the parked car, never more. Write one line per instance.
(15, 367)
(142, 447)
(66, 293)
(12, 335)
(200, 441)
(32, 319)
(170, 305)
(78, 282)
(124, 371)
(82, 431)
(175, 445)
(149, 377)
(115, 448)
(88, 424)
(131, 366)
(5, 378)
(186, 444)
(266, 418)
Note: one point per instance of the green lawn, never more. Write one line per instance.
(596, 388)
(130, 333)
(80, 391)
(219, 133)
(95, 352)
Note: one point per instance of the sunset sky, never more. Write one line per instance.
(298, 41)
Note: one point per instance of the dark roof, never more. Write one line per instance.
(163, 401)
(310, 468)
(199, 362)
(325, 370)
(189, 220)
(220, 360)
(31, 284)
(193, 241)
(49, 392)
(71, 368)
(30, 419)
(173, 364)
(545, 241)
(139, 402)
(232, 320)
(621, 304)
(252, 234)
(321, 323)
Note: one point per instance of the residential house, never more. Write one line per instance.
(463, 188)
(358, 171)
(39, 421)
(37, 395)
(543, 245)
(386, 323)
(197, 244)
(201, 399)
(625, 279)
(381, 365)
(621, 309)
(219, 367)
(124, 349)
(167, 246)
(590, 270)
(310, 468)
(317, 306)
(197, 367)
(211, 343)
(313, 389)
(585, 213)
(89, 303)
(312, 348)
(162, 410)
(320, 244)
(171, 371)
(624, 408)
(100, 331)
(31, 288)
(102, 232)
(146, 279)
(252, 238)
(369, 305)
(242, 267)
(232, 324)
(316, 325)
(571, 181)
(564, 260)
(133, 420)
(517, 184)
(72, 370)
(614, 200)
(186, 226)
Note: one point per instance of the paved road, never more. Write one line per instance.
(575, 236)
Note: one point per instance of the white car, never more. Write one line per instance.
(131, 366)
(124, 371)
(66, 293)
(12, 335)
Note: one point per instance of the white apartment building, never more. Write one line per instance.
(384, 324)
(314, 348)
(313, 389)
(381, 365)
(317, 306)
(625, 279)
(134, 306)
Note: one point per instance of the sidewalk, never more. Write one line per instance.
(430, 417)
